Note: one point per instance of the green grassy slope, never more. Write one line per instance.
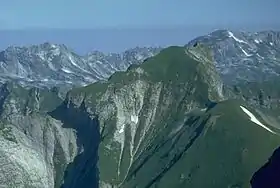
(175, 142)
(224, 150)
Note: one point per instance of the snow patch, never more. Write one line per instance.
(255, 120)
(89, 79)
(235, 38)
(260, 56)
(134, 119)
(99, 62)
(139, 57)
(84, 84)
(271, 43)
(122, 128)
(248, 55)
(55, 51)
(257, 41)
(29, 80)
(66, 70)
(112, 67)
(41, 55)
(72, 61)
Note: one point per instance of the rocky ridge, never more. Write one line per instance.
(244, 56)
(239, 56)
(49, 65)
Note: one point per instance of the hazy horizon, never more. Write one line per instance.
(84, 41)
(118, 25)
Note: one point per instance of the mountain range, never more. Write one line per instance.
(239, 56)
(201, 115)
(49, 65)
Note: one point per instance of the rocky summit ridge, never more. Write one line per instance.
(244, 56)
(170, 121)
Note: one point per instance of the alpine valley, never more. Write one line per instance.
(203, 115)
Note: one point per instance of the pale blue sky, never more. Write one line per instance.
(18, 14)
(179, 21)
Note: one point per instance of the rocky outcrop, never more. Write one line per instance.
(35, 149)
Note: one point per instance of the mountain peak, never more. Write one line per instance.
(238, 55)
(156, 111)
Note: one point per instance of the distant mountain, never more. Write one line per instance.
(239, 56)
(244, 56)
(48, 65)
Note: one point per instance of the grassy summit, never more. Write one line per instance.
(166, 123)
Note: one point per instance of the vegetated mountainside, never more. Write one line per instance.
(49, 65)
(169, 122)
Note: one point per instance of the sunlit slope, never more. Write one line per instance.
(135, 106)
(167, 123)
(218, 148)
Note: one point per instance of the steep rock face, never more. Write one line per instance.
(205, 55)
(35, 149)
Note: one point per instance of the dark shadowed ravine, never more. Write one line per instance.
(83, 171)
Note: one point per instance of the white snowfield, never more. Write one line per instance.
(255, 120)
